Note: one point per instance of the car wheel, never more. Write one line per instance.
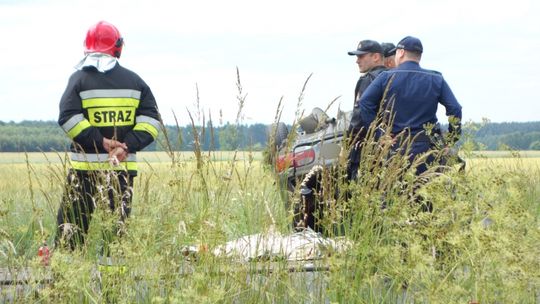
(280, 133)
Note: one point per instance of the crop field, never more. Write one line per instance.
(480, 243)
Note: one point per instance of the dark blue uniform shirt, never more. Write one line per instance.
(417, 93)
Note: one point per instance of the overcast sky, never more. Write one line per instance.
(486, 50)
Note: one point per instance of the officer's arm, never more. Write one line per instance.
(147, 122)
(370, 100)
(73, 122)
(453, 111)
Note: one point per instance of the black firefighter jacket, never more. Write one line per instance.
(116, 104)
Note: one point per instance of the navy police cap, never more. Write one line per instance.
(389, 49)
(411, 44)
(367, 46)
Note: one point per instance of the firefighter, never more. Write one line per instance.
(109, 113)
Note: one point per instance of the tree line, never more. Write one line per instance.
(505, 135)
(46, 136)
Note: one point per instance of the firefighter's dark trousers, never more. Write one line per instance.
(85, 191)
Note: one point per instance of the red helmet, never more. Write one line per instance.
(104, 38)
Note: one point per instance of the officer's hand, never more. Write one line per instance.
(387, 140)
(343, 154)
(446, 151)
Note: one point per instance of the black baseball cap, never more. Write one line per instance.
(367, 46)
(411, 44)
(389, 49)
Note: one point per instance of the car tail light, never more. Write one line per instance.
(295, 160)
(283, 162)
(303, 158)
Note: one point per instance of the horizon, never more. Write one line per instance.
(188, 124)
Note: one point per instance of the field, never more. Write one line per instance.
(481, 242)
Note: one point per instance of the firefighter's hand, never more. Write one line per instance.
(110, 144)
(117, 155)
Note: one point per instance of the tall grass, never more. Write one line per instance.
(479, 243)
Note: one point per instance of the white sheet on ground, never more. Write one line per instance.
(298, 246)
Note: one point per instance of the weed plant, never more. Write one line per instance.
(480, 242)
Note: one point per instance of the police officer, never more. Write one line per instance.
(413, 95)
(109, 113)
(369, 57)
(389, 53)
